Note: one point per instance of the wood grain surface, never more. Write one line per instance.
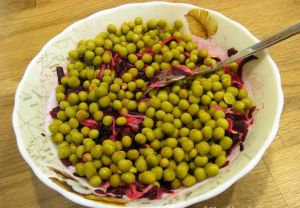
(27, 25)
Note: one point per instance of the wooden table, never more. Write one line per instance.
(27, 25)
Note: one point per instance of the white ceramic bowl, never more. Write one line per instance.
(32, 102)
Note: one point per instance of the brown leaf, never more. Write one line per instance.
(201, 23)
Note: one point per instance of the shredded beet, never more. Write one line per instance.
(100, 75)
(91, 123)
(112, 58)
(216, 58)
(106, 184)
(231, 52)
(74, 90)
(121, 66)
(43, 134)
(176, 192)
(110, 111)
(145, 100)
(100, 191)
(149, 49)
(66, 162)
(115, 133)
(132, 116)
(251, 111)
(134, 121)
(240, 126)
(187, 54)
(230, 126)
(244, 136)
(166, 190)
(235, 116)
(60, 74)
(139, 55)
(54, 112)
(243, 62)
(237, 84)
(142, 75)
(241, 146)
(113, 63)
(170, 39)
(226, 164)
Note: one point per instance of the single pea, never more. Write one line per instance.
(115, 180)
(218, 133)
(186, 118)
(218, 114)
(133, 154)
(167, 152)
(155, 102)
(183, 104)
(233, 90)
(126, 141)
(148, 122)
(89, 169)
(128, 177)
(149, 71)
(233, 67)
(222, 122)
(215, 150)
(225, 142)
(93, 134)
(64, 152)
(212, 170)
(248, 103)
(148, 177)
(220, 160)
(189, 180)
(168, 128)
(201, 160)
(181, 171)
(104, 102)
(107, 120)
(187, 145)
(184, 132)
(169, 174)
(207, 132)
(79, 169)
(132, 58)
(159, 134)
(97, 151)
(141, 165)
(152, 160)
(200, 174)
(238, 106)
(131, 86)
(140, 138)
(195, 135)
(121, 121)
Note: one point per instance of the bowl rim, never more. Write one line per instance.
(216, 191)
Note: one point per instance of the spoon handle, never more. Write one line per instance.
(287, 33)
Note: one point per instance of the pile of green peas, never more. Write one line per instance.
(187, 143)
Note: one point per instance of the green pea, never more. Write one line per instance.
(115, 180)
(121, 121)
(212, 170)
(225, 142)
(107, 120)
(200, 174)
(79, 168)
(169, 174)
